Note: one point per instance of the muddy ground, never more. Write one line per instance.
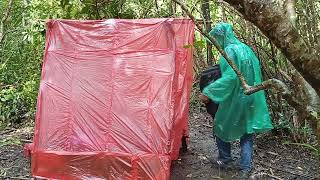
(272, 159)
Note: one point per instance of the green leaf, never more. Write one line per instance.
(187, 46)
(314, 114)
(7, 97)
(200, 44)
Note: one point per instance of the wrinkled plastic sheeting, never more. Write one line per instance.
(113, 99)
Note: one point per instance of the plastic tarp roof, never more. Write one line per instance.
(113, 99)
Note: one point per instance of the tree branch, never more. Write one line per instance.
(6, 14)
(205, 7)
(247, 89)
(4, 19)
(272, 21)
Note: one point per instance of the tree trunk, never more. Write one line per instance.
(273, 22)
(205, 7)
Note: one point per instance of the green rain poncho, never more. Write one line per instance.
(238, 113)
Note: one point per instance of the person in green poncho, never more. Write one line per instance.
(239, 116)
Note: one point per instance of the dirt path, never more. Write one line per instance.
(12, 161)
(271, 157)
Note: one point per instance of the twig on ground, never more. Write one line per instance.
(216, 177)
(7, 131)
(11, 177)
(270, 175)
(273, 153)
(271, 171)
(26, 140)
(285, 170)
(207, 125)
(275, 177)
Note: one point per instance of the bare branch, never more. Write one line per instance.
(270, 83)
(205, 7)
(214, 42)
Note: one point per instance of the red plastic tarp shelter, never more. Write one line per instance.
(113, 98)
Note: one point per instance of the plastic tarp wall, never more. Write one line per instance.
(113, 99)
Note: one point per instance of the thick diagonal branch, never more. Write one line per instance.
(274, 23)
(248, 89)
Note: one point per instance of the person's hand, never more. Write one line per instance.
(204, 98)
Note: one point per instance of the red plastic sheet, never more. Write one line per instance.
(113, 99)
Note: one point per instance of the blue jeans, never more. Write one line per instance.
(246, 143)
